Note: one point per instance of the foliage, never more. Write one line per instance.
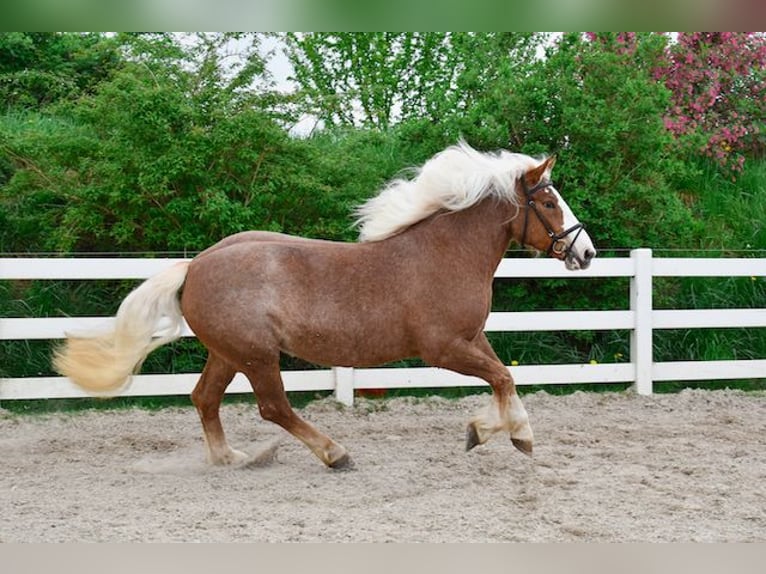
(160, 158)
(382, 78)
(733, 212)
(40, 68)
(177, 147)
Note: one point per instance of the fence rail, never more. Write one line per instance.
(640, 318)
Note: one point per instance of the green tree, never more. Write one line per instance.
(380, 79)
(40, 68)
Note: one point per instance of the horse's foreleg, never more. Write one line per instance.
(275, 407)
(207, 396)
(505, 412)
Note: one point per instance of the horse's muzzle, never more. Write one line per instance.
(573, 262)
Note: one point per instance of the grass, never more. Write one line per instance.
(734, 212)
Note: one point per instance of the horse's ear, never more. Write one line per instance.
(536, 174)
(551, 161)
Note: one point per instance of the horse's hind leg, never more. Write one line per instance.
(207, 396)
(275, 407)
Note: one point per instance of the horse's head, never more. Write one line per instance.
(548, 223)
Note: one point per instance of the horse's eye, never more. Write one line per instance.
(549, 205)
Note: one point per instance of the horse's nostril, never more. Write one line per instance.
(589, 254)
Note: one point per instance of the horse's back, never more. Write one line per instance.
(247, 237)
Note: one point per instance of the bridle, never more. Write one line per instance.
(557, 246)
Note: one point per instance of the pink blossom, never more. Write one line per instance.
(710, 74)
(717, 84)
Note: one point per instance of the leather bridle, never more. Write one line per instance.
(558, 246)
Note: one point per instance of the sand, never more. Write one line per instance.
(607, 467)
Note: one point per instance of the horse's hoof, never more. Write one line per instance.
(230, 457)
(524, 446)
(343, 463)
(471, 437)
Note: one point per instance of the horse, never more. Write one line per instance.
(418, 283)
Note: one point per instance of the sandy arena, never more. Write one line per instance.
(607, 467)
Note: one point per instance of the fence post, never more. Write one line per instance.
(641, 340)
(344, 385)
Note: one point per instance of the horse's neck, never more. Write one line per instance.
(477, 237)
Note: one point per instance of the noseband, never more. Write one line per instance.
(558, 245)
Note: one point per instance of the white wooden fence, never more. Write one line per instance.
(639, 318)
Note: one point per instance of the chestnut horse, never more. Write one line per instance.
(418, 284)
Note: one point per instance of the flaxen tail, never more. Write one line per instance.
(102, 362)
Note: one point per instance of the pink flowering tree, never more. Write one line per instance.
(717, 83)
(718, 93)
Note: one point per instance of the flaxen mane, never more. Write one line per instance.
(454, 179)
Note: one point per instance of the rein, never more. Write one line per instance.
(558, 245)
